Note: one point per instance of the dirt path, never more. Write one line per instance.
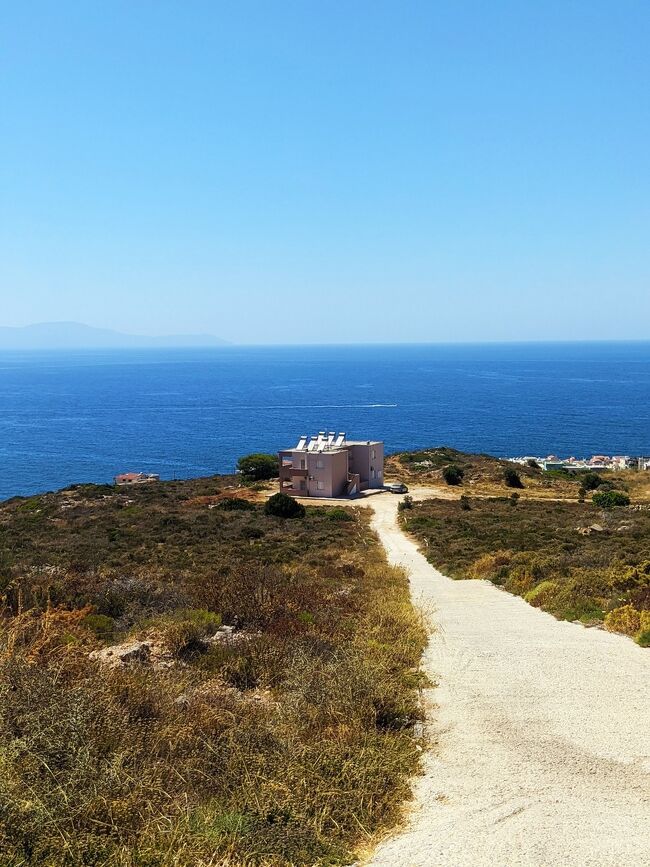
(542, 730)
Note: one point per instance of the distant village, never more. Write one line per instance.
(595, 462)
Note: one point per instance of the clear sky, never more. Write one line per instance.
(327, 171)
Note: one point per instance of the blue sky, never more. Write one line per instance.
(327, 172)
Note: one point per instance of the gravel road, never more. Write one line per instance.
(541, 732)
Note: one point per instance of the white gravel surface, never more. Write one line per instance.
(540, 729)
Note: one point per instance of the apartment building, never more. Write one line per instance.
(330, 465)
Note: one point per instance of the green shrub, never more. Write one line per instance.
(512, 478)
(101, 625)
(258, 467)
(283, 506)
(465, 503)
(643, 638)
(452, 474)
(338, 513)
(236, 504)
(541, 594)
(591, 481)
(405, 504)
(610, 499)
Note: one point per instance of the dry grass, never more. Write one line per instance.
(572, 559)
(293, 744)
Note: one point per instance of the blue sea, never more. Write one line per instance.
(85, 416)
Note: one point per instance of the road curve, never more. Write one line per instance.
(541, 731)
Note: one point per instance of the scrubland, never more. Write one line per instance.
(574, 560)
(484, 475)
(288, 739)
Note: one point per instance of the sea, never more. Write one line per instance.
(85, 416)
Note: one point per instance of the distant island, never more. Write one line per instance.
(75, 335)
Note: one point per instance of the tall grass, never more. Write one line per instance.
(293, 744)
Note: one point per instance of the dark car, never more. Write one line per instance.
(396, 488)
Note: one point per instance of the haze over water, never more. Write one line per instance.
(85, 416)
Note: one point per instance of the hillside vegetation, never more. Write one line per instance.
(575, 560)
(484, 475)
(186, 680)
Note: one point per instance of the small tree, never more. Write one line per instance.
(284, 506)
(452, 474)
(258, 467)
(512, 478)
(235, 504)
(406, 503)
(610, 499)
(591, 481)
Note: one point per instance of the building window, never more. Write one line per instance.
(319, 464)
(373, 454)
(320, 486)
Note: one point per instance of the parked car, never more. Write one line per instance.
(396, 488)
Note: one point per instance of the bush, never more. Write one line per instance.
(406, 503)
(185, 630)
(464, 503)
(610, 499)
(541, 595)
(338, 513)
(491, 566)
(258, 467)
(284, 506)
(236, 504)
(643, 638)
(625, 619)
(512, 478)
(101, 625)
(591, 481)
(452, 474)
(532, 463)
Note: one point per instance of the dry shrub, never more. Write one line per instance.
(292, 745)
(625, 619)
(491, 566)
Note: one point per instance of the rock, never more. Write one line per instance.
(227, 634)
(597, 528)
(123, 654)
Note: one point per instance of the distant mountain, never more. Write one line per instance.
(74, 335)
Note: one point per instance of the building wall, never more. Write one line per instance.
(327, 473)
(367, 459)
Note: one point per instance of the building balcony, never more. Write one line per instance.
(289, 472)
